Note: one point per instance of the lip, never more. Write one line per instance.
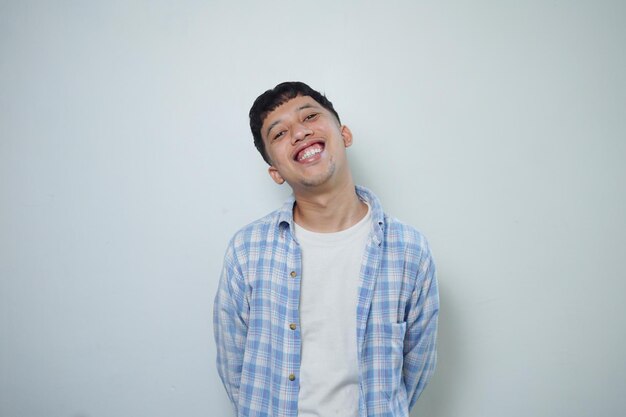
(305, 145)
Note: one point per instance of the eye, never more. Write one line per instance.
(279, 134)
(311, 116)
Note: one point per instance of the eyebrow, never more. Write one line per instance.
(303, 107)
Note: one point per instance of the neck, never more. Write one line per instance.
(329, 211)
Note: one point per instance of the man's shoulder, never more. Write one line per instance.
(259, 230)
(398, 235)
(398, 232)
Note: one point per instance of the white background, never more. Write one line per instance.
(126, 164)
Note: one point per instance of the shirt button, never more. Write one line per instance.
(292, 377)
(292, 326)
(293, 274)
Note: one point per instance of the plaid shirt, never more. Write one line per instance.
(258, 352)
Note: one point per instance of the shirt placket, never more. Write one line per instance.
(293, 277)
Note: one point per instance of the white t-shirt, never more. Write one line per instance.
(331, 265)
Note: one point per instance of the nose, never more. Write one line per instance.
(300, 132)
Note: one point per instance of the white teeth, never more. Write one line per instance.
(310, 152)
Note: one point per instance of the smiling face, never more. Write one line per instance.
(305, 144)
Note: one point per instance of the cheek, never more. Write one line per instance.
(275, 155)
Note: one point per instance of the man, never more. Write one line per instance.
(327, 306)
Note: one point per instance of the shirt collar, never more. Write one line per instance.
(285, 213)
(378, 215)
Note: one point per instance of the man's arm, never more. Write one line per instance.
(420, 354)
(230, 325)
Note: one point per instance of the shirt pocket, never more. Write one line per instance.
(386, 346)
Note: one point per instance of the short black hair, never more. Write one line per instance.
(271, 99)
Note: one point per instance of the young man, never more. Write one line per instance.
(327, 306)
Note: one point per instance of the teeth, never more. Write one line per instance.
(310, 152)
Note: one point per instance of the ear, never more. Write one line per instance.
(346, 134)
(278, 179)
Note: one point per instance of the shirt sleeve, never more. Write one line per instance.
(420, 354)
(230, 326)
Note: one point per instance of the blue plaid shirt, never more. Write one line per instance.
(258, 352)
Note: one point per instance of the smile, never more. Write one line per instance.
(309, 152)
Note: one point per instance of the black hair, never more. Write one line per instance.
(271, 99)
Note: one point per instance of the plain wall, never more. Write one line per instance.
(126, 164)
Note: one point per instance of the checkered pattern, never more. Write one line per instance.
(258, 354)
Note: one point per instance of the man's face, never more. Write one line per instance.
(305, 144)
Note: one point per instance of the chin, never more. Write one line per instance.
(319, 179)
